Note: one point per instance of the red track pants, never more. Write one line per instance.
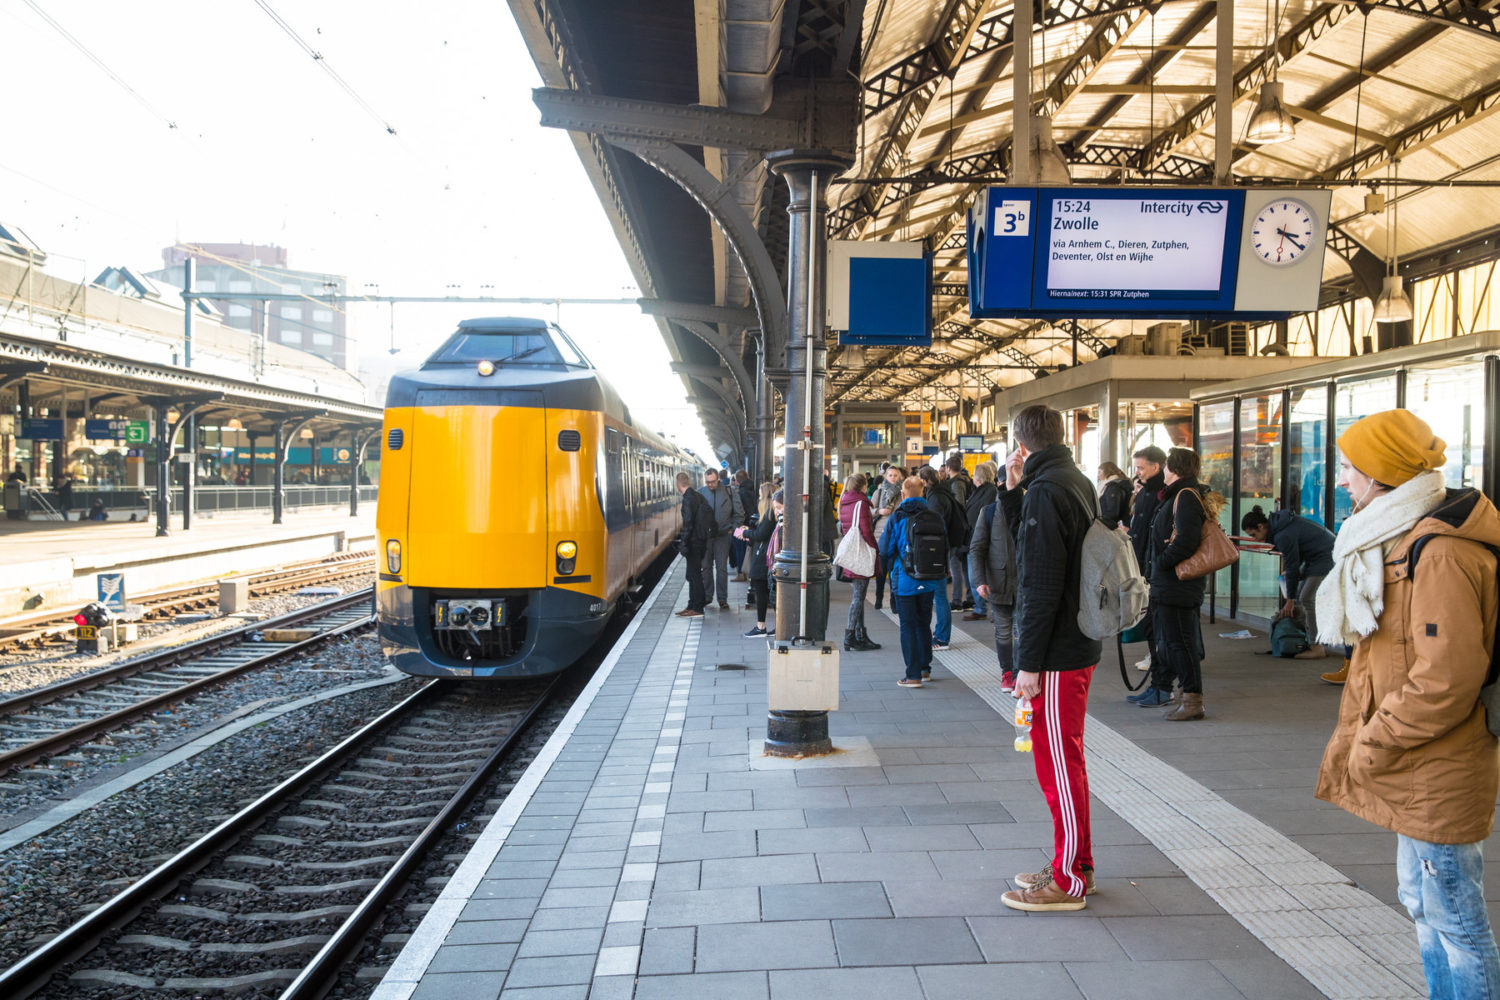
(1057, 746)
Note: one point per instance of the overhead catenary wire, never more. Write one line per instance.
(103, 67)
(317, 57)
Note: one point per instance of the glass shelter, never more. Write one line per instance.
(1270, 441)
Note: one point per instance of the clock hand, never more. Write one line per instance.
(1289, 236)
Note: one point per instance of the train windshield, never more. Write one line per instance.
(534, 347)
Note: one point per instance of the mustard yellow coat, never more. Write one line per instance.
(1411, 751)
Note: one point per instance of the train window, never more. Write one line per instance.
(533, 347)
(571, 355)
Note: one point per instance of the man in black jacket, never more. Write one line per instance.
(1150, 470)
(1050, 505)
(697, 525)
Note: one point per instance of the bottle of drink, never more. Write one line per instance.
(1023, 724)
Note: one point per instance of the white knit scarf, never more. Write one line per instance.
(1352, 597)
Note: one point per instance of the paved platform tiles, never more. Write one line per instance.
(650, 854)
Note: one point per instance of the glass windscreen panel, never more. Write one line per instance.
(1260, 486)
(1216, 453)
(1351, 401)
(1166, 424)
(1081, 433)
(1451, 399)
(536, 347)
(1307, 446)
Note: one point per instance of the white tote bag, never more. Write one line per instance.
(854, 553)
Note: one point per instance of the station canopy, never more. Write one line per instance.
(1398, 95)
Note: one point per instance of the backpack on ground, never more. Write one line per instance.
(1112, 592)
(924, 556)
(1288, 638)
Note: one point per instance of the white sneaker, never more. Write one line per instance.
(1144, 664)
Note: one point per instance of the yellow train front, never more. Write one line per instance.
(518, 502)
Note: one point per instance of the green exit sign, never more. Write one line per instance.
(138, 432)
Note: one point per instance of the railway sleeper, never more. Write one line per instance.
(233, 984)
(302, 944)
(415, 823)
(368, 845)
(260, 861)
(464, 765)
(330, 889)
(407, 779)
(334, 912)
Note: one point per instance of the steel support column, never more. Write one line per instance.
(358, 442)
(284, 439)
(802, 570)
(163, 468)
(765, 417)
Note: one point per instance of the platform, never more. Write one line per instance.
(53, 563)
(652, 852)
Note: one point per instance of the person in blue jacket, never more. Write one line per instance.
(1306, 549)
(912, 598)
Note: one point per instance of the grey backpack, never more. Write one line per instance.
(1113, 593)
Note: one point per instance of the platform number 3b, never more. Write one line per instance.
(1013, 218)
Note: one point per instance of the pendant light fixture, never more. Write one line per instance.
(1051, 166)
(1271, 122)
(1393, 305)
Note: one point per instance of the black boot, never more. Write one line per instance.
(851, 644)
(863, 638)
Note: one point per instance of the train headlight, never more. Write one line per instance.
(486, 368)
(393, 556)
(567, 555)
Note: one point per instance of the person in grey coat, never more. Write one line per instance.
(724, 500)
(992, 574)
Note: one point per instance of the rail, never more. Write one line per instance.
(90, 729)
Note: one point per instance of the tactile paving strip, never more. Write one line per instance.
(1343, 940)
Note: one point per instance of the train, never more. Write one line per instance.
(518, 502)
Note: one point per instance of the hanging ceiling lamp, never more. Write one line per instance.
(1271, 122)
(1393, 305)
(1051, 166)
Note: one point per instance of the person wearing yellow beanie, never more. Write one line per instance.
(1392, 447)
(1413, 590)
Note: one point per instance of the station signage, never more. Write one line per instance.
(1197, 252)
(137, 432)
(105, 429)
(42, 428)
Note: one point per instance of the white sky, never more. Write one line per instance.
(269, 149)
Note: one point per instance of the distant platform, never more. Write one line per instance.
(652, 852)
(52, 564)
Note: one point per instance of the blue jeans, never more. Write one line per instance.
(1442, 887)
(915, 612)
(944, 630)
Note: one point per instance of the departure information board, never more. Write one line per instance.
(1145, 251)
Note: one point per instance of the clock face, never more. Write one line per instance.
(1283, 231)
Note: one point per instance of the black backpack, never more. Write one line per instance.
(702, 525)
(925, 554)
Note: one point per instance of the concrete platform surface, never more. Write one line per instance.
(53, 563)
(651, 851)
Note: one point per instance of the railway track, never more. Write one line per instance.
(52, 627)
(53, 720)
(249, 904)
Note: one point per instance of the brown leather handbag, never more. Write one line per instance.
(1214, 551)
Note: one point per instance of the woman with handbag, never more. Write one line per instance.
(1176, 603)
(857, 520)
(763, 540)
